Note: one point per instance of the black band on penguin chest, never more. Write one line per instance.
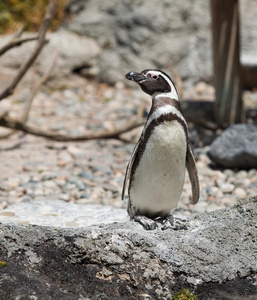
(148, 131)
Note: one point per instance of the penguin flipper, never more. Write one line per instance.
(193, 175)
(128, 169)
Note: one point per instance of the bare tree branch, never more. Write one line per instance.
(38, 84)
(18, 125)
(40, 43)
(16, 43)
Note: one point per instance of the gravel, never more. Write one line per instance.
(93, 171)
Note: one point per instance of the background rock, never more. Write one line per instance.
(73, 52)
(215, 258)
(236, 147)
(113, 37)
(135, 35)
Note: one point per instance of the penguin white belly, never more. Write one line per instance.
(159, 178)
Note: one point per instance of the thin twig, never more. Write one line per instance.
(18, 125)
(16, 43)
(40, 43)
(18, 33)
(38, 84)
(7, 135)
(13, 147)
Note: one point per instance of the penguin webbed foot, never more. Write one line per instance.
(163, 223)
(173, 223)
(147, 223)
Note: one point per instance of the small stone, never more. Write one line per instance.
(246, 182)
(212, 206)
(105, 169)
(25, 199)
(64, 197)
(75, 151)
(240, 192)
(227, 187)
(38, 192)
(213, 190)
(84, 196)
(252, 172)
(241, 174)
(49, 176)
(228, 172)
(84, 201)
(75, 194)
(49, 184)
(86, 174)
(7, 213)
(227, 201)
(253, 185)
(200, 207)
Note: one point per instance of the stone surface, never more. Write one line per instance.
(58, 213)
(72, 52)
(216, 258)
(236, 147)
(139, 35)
(143, 35)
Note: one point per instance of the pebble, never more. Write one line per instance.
(64, 197)
(240, 192)
(93, 171)
(86, 174)
(227, 188)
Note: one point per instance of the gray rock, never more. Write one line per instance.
(236, 147)
(215, 258)
(86, 174)
(73, 51)
(104, 169)
(126, 31)
(75, 181)
(135, 35)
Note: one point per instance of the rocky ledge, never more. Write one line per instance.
(216, 258)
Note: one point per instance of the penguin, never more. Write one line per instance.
(155, 173)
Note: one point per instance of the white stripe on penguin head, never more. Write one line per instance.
(172, 94)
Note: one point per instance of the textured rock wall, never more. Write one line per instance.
(113, 37)
(216, 258)
(145, 34)
(135, 35)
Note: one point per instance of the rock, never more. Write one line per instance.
(64, 197)
(73, 52)
(126, 32)
(93, 252)
(103, 169)
(236, 147)
(227, 188)
(86, 174)
(240, 192)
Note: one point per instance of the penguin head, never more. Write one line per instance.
(153, 82)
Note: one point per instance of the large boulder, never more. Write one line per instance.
(135, 35)
(236, 147)
(216, 258)
(69, 51)
(147, 34)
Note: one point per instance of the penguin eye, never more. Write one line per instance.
(155, 77)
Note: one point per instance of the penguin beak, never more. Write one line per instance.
(134, 76)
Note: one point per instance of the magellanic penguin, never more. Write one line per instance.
(156, 170)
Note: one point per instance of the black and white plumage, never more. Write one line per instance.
(156, 170)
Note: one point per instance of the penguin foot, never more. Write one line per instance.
(176, 224)
(147, 223)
